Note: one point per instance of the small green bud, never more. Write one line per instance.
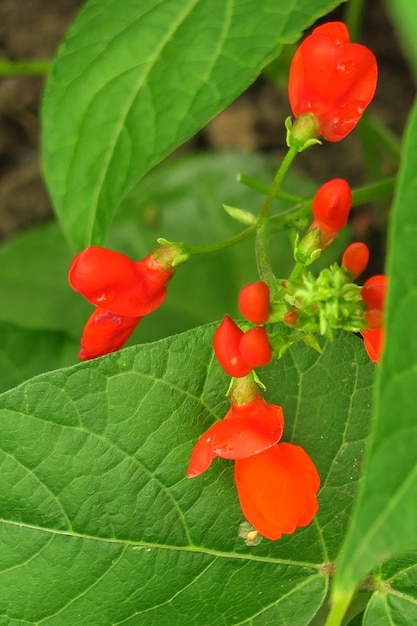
(303, 132)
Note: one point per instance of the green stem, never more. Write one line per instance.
(257, 186)
(296, 272)
(338, 609)
(276, 183)
(221, 245)
(24, 68)
(262, 258)
(353, 18)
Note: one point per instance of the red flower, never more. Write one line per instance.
(238, 352)
(355, 258)
(373, 341)
(373, 294)
(246, 429)
(332, 79)
(105, 332)
(331, 206)
(254, 302)
(115, 283)
(277, 489)
(122, 290)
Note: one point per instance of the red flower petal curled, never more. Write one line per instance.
(278, 489)
(105, 332)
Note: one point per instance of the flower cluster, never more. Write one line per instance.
(123, 291)
(277, 483)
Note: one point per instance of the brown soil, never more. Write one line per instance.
(254, 121)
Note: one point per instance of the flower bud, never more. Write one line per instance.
(355, 258)
(254, 302)
(331, 206)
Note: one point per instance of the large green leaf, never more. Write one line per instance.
(384, 524)
(99, 524)
(133, 80)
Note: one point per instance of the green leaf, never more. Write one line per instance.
(395, 601)
(34, 290)
(134, 80)
(99, 524)
(25, 353)
(403, 13)
(384, 524)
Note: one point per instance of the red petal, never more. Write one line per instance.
(226, 347)
(374, 343)
(105, 332)
(254, 347)
(373, 292)
(114, 282)
(277, 489)
(233, 439)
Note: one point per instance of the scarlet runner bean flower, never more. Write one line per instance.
(123, 291)
(277, 483)
(331, 82)
(237, 352)
(331, 206)
(373, 294)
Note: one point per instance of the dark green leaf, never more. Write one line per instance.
(133, 80)
(99, 524)
(384, 524)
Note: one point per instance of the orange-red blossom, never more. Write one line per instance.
(123, 291)
(331, 82)
(277, 483)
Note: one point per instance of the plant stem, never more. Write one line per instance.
(276, 183)
(24, 68)
(262, 258)
(338, 609)
(353, 18)
(221, 245)
(257, 186)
